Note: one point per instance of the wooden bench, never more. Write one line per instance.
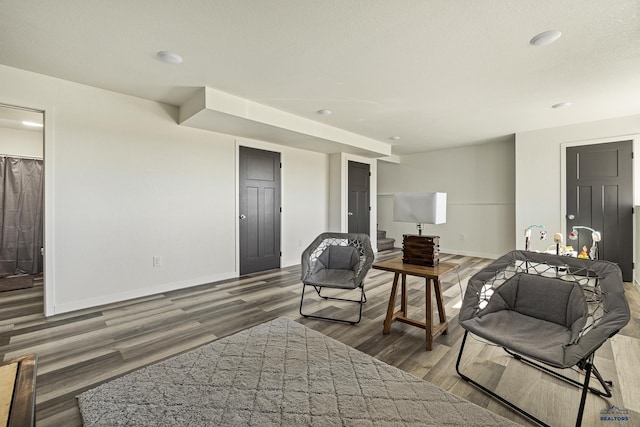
(18, 391)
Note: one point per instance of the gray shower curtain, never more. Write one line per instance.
(20, 216)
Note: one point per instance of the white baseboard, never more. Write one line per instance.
(139, 293)
(467, 253)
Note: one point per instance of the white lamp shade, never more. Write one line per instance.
(420, 208)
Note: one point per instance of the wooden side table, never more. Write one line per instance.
(431, 275)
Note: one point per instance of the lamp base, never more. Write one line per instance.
(421, 250)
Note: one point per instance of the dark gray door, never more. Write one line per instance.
(358, 185)
(600, 196)
(259, 188)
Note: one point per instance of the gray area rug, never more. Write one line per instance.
(278, 373)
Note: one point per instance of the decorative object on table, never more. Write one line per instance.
(595, 238)
(584, 253)
(560, 249)
(421, 250)
(336, 261)
(557, 239)
(278, 373)
(420, 208)
(547, 311)
(527, 235)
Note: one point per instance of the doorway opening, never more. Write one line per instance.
(21, 201)
(359, 205)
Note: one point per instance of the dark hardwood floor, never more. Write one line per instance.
(82, 349)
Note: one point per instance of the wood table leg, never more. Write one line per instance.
(433, 328)
(441, 314)
(392, 304)
(429, 316)
(403, 300)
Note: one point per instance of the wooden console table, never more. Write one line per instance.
(431, 275)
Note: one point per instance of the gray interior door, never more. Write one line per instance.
(358, 204)
(259, 186)
(600, 196)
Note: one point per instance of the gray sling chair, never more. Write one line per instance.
(339, 261)
(555, 310)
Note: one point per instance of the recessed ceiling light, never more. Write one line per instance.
(546, 38)
(394, 138)
(324, 112)
(169, 57)
(32, 124)
(561, 105)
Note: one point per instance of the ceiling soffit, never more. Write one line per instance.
(218, 111)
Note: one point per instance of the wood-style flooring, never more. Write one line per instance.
(80, 350)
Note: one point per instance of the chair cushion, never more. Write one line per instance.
(533, 315)
(529, 336)
(338, 258)
(333, 278)
(545, 298)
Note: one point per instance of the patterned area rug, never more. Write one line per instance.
(279, 373)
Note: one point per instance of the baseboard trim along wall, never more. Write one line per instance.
(140, 293)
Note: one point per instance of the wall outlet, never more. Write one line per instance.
(462, 236)
(156, 261)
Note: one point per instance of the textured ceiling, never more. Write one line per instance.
(437, 73)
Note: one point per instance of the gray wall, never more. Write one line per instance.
(480, 184)
(125, 183)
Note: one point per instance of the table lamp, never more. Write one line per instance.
(420, 208)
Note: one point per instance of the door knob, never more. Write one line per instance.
(571, 216)
(350, 213)
(243, 216)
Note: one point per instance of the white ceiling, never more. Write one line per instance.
(437, 73)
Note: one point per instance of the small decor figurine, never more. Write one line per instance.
(584, 253)
(527, 235)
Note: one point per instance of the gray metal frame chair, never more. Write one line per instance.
(546, 311)
(338, 261)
